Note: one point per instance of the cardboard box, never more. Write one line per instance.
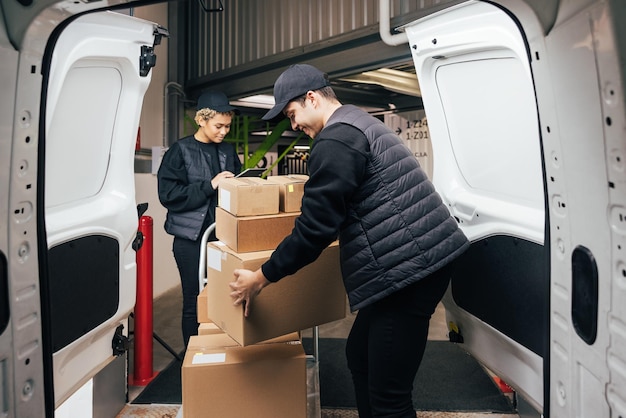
(202, 307)
(246, 196)
(253, 233)
(291, 191)
(208, 328)
(313, 296)
(222, 379)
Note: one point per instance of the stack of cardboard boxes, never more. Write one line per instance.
(256, 366)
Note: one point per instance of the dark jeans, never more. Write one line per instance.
(187, 256)
(386, 345)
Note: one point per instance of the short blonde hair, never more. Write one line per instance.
(206, 114)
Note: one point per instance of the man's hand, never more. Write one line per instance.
(246, 286)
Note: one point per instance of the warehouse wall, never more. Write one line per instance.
(242, 49)
(247, 31)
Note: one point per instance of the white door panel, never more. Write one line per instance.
(478, 94)
(479, 80)
(94, 101)
(70, 154)
(585, 140)
(492, 152)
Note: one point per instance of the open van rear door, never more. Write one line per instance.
(67, 262)
(525, 105)
(475, 77)
(94, 98)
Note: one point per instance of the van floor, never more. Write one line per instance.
(166, 325)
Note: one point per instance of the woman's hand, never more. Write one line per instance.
(247, 285)
(215, 182)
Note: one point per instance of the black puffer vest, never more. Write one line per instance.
(397, 230)
(199, 168)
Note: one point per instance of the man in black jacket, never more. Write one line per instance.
(396, 236)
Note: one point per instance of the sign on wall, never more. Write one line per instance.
(412, 128)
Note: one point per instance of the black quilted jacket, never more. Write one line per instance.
(184, 185)
(368, 190)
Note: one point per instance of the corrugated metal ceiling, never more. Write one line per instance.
(243, 49)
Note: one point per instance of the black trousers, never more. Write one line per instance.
(187, 256)
(386, 345)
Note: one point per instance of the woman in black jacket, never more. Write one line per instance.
(188, 178)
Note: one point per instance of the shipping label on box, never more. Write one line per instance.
(312, 296)
(248, 196)
(291, 191)
(253, 233)
(222, 379)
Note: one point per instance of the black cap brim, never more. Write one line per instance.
(275, 111)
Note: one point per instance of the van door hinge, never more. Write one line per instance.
(120, 343)
(147, 60)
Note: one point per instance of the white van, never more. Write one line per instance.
(525, 106)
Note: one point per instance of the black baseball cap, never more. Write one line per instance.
(215, 100)
(294, 82)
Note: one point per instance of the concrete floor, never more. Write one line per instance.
(166, 324)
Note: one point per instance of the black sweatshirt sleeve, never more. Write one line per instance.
(175, 191)
(336, 166)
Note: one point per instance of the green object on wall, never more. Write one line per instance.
(239, 134)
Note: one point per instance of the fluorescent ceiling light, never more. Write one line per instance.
(261, 101)
(393, 80)
(287, 133)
